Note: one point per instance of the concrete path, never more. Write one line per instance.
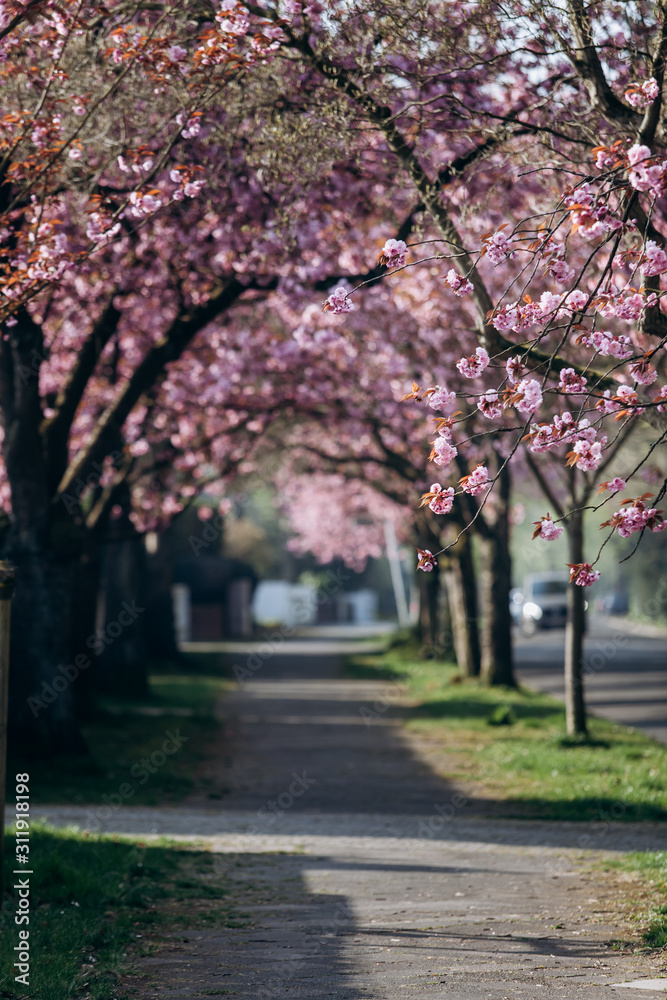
(366, 875)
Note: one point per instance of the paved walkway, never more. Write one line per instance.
(369, 876)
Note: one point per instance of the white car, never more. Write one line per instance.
(542, 603)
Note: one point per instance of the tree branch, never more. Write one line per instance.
(587, 64)
(544, 484)
(168, 349)
(56, 430)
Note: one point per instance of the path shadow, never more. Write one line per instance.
(306, 745)
(306, 944)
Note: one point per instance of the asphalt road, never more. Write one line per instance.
(625, 671)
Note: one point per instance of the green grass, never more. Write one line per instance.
(509, 746)
(99, 901)
(650, 867)
(122, 736)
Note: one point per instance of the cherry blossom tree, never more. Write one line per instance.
(134, 217)
(552, 231)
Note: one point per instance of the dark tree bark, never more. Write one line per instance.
(575, 707)
(497, 653)
(83, 615)
(429, 592)
(460, 581)
(122, 650)
(48, 529)
(43, 543)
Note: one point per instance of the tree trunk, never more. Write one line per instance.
(121, 648)
(462, 594)
(575, 708)
(44, 543)
(497, 653)
(429, 585)
(43, 675)
(83, 612)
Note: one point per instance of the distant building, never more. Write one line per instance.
(212, 598)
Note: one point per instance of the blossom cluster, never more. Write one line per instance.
(393, 253)
(498, 248)
(636, 516)
(583, 574)
(473, 366)
(458, 284)
(546, 529)
(641, 95)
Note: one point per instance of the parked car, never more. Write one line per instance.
(542, 603)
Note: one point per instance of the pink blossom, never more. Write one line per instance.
(473, 366)
(628, 398)
(661, 395)
(590, 217)
(542, 439)
(192, 188)
(641, 95)
(630, 306)
(561, 271)
(176, 53)
(547, 530)
(614, 485)
(583, 574)
(192, 127)
(498, 248)
(427, 561)
(476, 482)
(636, 517)
(443, 451)
(605, 343)
(441, 397)
(338, 301)
(654, 259)
(393, 253)
(645, 177)
(74, 153)
(514, 368)
(530, 393)
(549, 304)
(506, 318)
(576, 301)
(459, 285)
(642, 372)
(586, 455)
(490, 405)
(606, 404)
(443, 501)
(637, 154)
(570, 382)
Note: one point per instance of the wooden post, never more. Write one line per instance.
(6, 592)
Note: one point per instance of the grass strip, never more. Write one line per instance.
(508, 746)
(97, 902)
(127, 762)
(648, 905)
